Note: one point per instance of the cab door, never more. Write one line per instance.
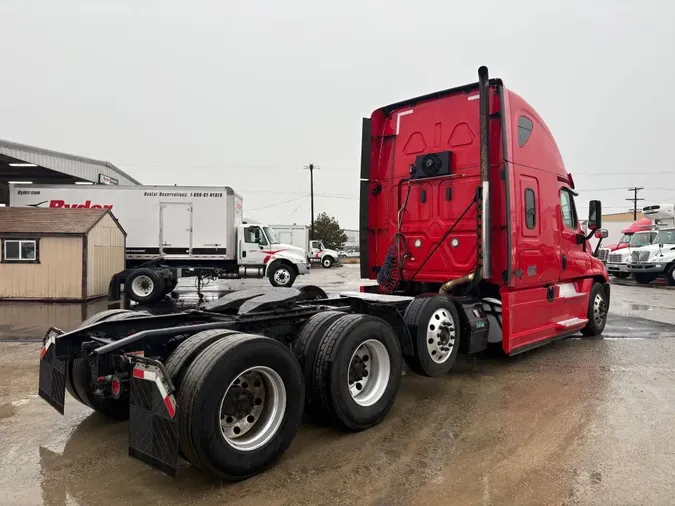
(253, 245)
(575, 260)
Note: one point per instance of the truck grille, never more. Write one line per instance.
(603, 254)
(615, 258)
(640, 256)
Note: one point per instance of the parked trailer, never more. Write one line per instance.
(298, 235)
(224, 387)
(176, 231)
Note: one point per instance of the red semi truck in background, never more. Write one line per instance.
(469, 225)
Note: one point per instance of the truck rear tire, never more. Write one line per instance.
(240, 406)
(357, 372)
(78, 373)
(281, 275)
(180, 359)
(144, 286)
(434, 327)
(644, 278)
(327, 261)
(306, 346)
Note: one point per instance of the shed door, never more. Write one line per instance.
(175, 228)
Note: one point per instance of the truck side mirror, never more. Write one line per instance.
(594, 215)
(601, 233)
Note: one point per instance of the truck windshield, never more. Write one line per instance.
(665, 237)
(641, 239)
(271, 236)
(625, 239)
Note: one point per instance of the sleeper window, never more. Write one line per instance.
(530, 209)
(524, 130)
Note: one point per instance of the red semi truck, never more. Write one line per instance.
(468, 223)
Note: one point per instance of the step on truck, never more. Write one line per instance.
(469, 225)
(177, 231)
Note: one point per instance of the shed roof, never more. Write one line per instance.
(32, 220)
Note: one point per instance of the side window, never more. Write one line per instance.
(569, 214)
(524, 130)
(20, 250)
(250, 234)
(530, 209)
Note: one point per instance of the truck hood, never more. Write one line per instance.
(290, 249)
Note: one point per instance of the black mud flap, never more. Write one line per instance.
(153, 426)
(52, 383)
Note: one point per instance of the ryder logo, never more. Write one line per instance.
(61, 204)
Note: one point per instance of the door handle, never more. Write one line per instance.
(549, 293)
(564, 262)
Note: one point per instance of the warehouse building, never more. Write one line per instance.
(63, 255)
(20, 163)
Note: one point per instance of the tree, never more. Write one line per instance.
(327, 229)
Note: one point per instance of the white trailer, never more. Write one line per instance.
(298, 235)
(180, 228)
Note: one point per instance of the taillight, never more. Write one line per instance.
(116, 387)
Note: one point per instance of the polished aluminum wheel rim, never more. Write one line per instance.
(282, 276)
(253, 408)
(369, 372)
(441, 335)
(142, 285)
(599, 309)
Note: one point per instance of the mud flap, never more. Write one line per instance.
(153, 426)
(52, 383)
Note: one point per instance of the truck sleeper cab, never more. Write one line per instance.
(224, 386)
(465, 191)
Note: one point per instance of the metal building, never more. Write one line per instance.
(20, 163)
(58, 254)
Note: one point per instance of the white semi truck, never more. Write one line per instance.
(298, 235)
(649, 262)
(175, 231)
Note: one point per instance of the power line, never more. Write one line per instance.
(277, 204)
(635, 199)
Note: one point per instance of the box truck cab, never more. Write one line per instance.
(464, 192)
(319, 253)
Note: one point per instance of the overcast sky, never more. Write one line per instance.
(245, 93)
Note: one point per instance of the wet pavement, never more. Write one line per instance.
(580, 421)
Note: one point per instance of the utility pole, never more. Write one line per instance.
(635, 199)
(311, 196)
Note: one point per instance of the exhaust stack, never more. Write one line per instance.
(483, 264)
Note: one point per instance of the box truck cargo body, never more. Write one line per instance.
(175, 222)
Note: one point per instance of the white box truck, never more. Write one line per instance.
(175, 231)
(298, 235)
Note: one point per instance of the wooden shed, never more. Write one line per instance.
(58, 254)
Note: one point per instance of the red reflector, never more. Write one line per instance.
(43, 352)
(138, 373)
(116, 386)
